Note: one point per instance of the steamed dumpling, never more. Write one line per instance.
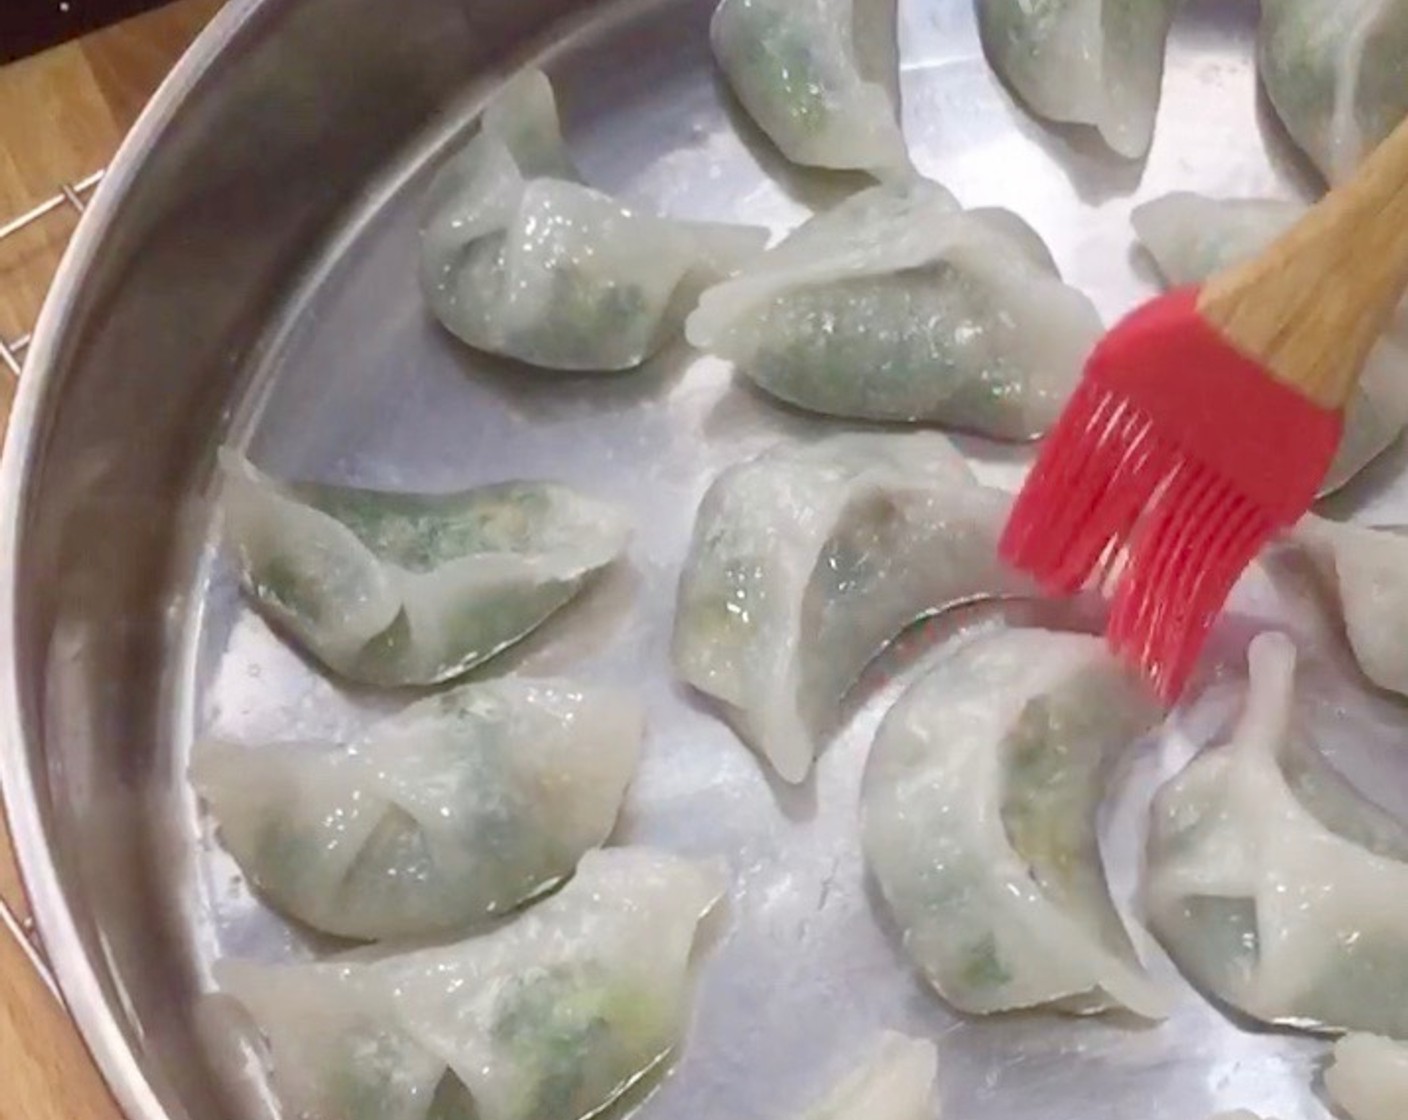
(1275, 885)
(1191, 236)
(1337, 73)
(899, 305)
(1368, 1079)
(550, 1017)
(1091, 62)
(808, 72)
(807, 561)
(1367, 573)
(400, 589)
(895, 1082)
(979, 823)
(461, 807)
(518, 258)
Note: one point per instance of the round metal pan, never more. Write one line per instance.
(246, 274)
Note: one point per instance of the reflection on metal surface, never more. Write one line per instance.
(247, 272)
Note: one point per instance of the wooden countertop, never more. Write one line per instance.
(65, 112)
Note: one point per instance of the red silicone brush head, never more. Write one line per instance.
(1175, 461)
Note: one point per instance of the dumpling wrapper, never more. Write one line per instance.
(554, 1015)
(1090, 62)
(1191, 237)
(809, 74)
(1366, 572)
(979, 824)
(461, 807)
(1274, 885)
(1335, 72)
(898, 305)
(412, 589)
(1368, 1078)
(519, 258)
(807, 561)
(896, 1082)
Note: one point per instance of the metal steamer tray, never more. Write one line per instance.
(246, 273)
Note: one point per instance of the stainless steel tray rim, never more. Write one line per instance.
(70, 967)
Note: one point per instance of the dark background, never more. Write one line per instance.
(27, 26)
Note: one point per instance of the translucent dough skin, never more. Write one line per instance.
(458, 809)
(1275, 886)
(895, 1082)
(806, 561)
(1366, 573)
(556, 1014)
(1336, 72)
(979, 824)
(898, 305)
(1368, 1078)
(518, 258)
(1090, 62)
(799, 68)
(412, 589)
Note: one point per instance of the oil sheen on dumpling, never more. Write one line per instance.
(554, 1015)
(1276, 886)
(979, 824)
(809, 73)
(519, 258)
(898, 305)
(895, 1082)
(461, 807)
(1368, 1078)
(807, 561)
(1366, 571)
(1091, 62)
(401, 589)
(1191, 236)
(1337, 73)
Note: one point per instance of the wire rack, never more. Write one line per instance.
(72, 196)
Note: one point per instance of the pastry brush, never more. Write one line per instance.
(1206, 421)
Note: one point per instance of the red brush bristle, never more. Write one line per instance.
(1096, 472)
(1184, 560)
(1176, 459)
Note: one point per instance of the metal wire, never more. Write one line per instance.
(75, 197)
(23, 933)
(71, 195)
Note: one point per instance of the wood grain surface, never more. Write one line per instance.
(64, 114)
(47, 1074)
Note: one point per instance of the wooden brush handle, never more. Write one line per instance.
(1314, 304)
